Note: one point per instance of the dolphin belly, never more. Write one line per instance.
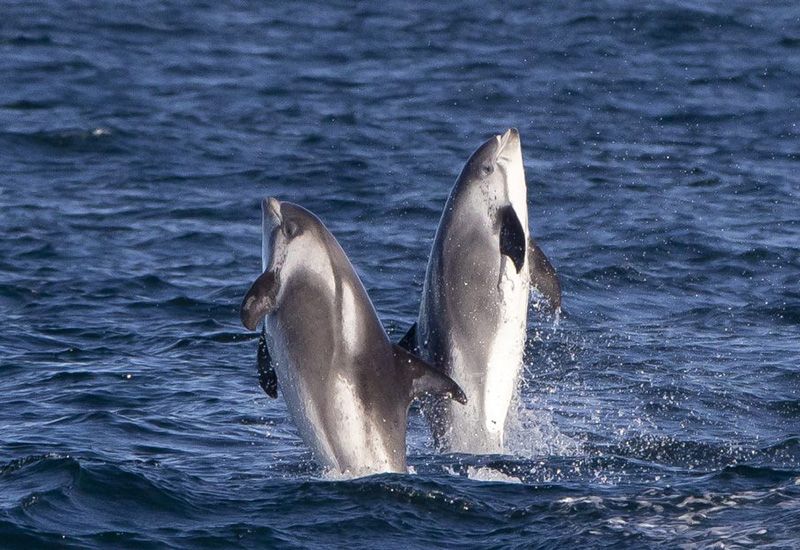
(489, 377)
(505, 354)
(331, 417)
(300, 401)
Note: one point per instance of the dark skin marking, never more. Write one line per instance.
(512, 237)
(409, 341)
(267, 378)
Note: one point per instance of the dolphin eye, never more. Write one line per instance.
(292, 229)
(487, 168)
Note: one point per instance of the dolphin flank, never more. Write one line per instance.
(473, 313)
(347, 387)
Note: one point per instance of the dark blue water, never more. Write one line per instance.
(662, 149)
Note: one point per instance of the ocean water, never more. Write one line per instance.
(662, 150)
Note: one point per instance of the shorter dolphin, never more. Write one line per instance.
(347, 387)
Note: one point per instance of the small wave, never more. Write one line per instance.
(789, 42)
(66, 485)
(788, 314)
(29, 105)
(682, 24)
(28, 40)
(756, 473)
(617, 274)
(79, 141)
(23, 462)
(672, 452)
(588, 20)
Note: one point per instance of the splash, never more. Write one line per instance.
(531, 432)
(485, 473)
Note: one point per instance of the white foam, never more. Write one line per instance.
(484, 473)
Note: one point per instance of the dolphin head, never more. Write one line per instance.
(495, 170)
(290, 235)
(494, 157)
(490, 197)
(293, 239)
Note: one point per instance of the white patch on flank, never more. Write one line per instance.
(349, 321)
(266, 232)
(359, 437)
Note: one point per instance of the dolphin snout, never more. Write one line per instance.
(271, 211)
(271, 205)
(509, 140)
(271, 218)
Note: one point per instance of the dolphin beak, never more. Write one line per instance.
(509, 138)
(508, 144)
(271, 212)
(271, 218)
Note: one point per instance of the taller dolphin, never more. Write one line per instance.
(473, 316)
(347, 388)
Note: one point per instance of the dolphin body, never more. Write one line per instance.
(347, 387)
(473, 314)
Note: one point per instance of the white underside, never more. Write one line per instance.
(346, 427)
(364, 449)
(301, 407)
(473, 430)
(505, 359)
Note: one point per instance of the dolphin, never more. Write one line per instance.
(473, 313)
(348, 389)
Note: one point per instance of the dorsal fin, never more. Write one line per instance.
(409, 341)
(543, 275)
(259, 300)
(424, 378)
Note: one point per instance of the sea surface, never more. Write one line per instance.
(662, 152)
